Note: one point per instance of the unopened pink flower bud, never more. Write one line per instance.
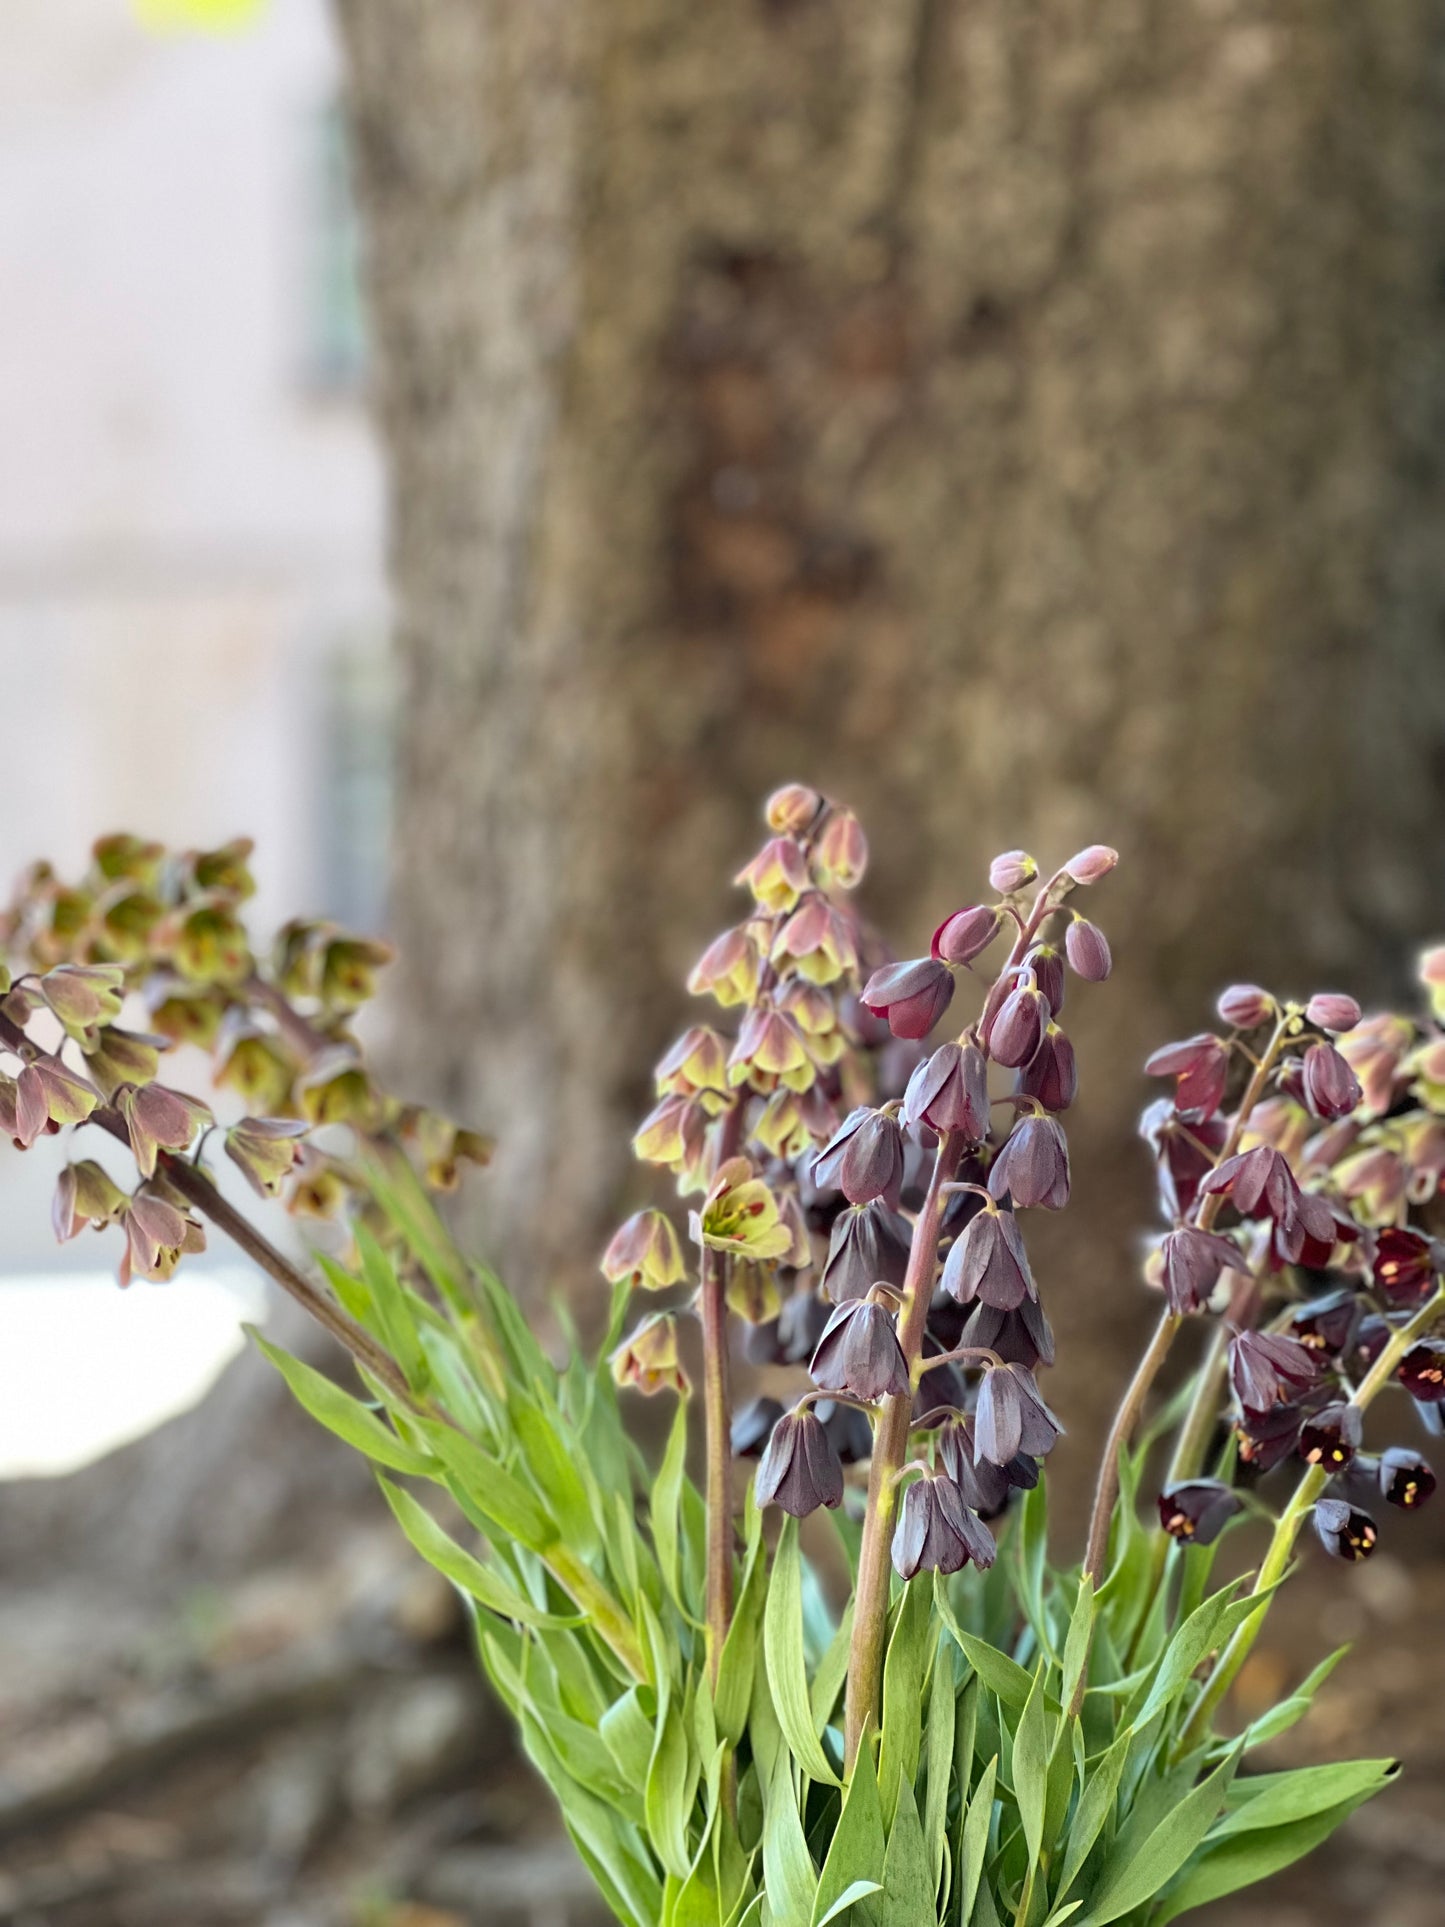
(912, 996)
(1087, 949)
(1014, 870)
(792, 809)
(1332, 1010)
(1245, 1006)
(1019, 1027)
(1091, 864)
(1331, 1088)
(840, 851)
(963, 936)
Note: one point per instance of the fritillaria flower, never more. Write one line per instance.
(967, 933)
(1333, 1010)
(937, 1532)
(1331, 1437)
(1344, 1530)
(1405, 1266)
(800, 1469)
(648, 1358)
(1267, 1439)
(1090, 864)
(1405, 1479)
(1052, 1073)
(859, 1354)
(1087, 949)
(1196, 1511)
(1327, 1325)
(985, 1487)
(1190, 1265)
(1245, 1006)
(988, 1261)
(1033, 1166)
(949, 1092)
(1011, 1417)
(912, 996)
(1020, 1337)
(1018, 1029)
(1266, 1368)
(1200, 1067)
(865, 1158)
(1184, 1152)
(1260, 1183)
(1422, 1371)
(869, 1245)
(1331, 1089)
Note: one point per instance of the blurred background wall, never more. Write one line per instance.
(1024, 421)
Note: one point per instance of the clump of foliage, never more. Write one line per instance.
(914, 1709)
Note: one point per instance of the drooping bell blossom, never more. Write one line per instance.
(777, 875)
(817, 942)
(1422, 1371)
(1020, 1337)
(1011, 1417)
(1018, 1029)
(1405, 1478)
(801, 1323)
(752, 1427)
(912, 996)
(645, 1251)
(1052, 1074)
(1333, 1010)
(1260, 1183)
(158, 1119)
(647, 1359)
(869, 1245)
(1200, 1067)
(849, 1432)
(1375, 1051)
(1266, 1368)
(1344, 1530)
(800, 1469)
(1196, 1511)
(988, 1261)
(985, 1487)
(728, 969)
(1087, 949)
(1266, 1439)
(1322, 1253)
(1331, 1437)
(1033, 1166)
(1245, 1006)
(1190, 1265)
(1327, 1325)
(936, 1532)
(859, 1354)
(864, 1159)
(84, 1194)
(697, 1062)
(967, 933)
(1331, 1089)
(1044, 962)
(840, 850)
(741, 1217)
(1376, 1181)
(1405, 1267)
(768, 1051)
(949, 1092)
(1184, 1153)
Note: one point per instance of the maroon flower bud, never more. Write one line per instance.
(1327, 1325)
(869, 1245)
(1052, 1074)
(1033, 1166)
(1422, 1371)
(1200, 1066)
(1011, 871)
(1018, 1028)
(864, 1159)
(1331, 1088)
(1184, 1153)
(1343, 1530)
(1045, 963)
(1011, 1417)
(1333, 1010)
(967, 933)
(800, 1469)
(1267, 1439)
(988, 1261)
(1266, 1369)
(1087, 949)
(1196, 1511)
(849, 1433)
(752, 1426)
(1092, 864)
(1404, 1266)
(949, 1092)
(791, 809)
(985, 1487)
(1245, 1006)
(936, 1532)
(1190, 1264)
(912, 996)
(1260, 1183)
(157, 1118)
(859, 1354)
(1020, 1337)
(1406, 1480)
(1331, 1437)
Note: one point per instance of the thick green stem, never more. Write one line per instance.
(890, 1448)
(1281, 1546)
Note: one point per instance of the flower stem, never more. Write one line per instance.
(1277, 1558)
(890, 1448)
(717, 1417)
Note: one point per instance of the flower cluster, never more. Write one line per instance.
(1300, 1164)
(103, 976)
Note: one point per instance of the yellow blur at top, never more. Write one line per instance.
(207, 16)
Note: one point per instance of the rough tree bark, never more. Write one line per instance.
(1023, 421)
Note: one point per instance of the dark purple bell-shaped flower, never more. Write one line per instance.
(800, 1470)
(1087, 949)
(1033, 1166)
(864, 1159)
(988, 1261)
(1331, 1089)
(912, 996)
(1018, 1030)
(985, 1487)
(1267, 1369)
(1196, 1511)
(1020, 1337)
(1045, 963)
(1011, 1417)
(1406, 1480)
(1184, 1151)
(1267, 1439)
(936, 1532)
(949, 1092)
(1422, 1371)
(1327, 1325)
(753, 1426)
(1344, 1530)
(1404, 1265)
(1260, 1184)
(968, 932)
(1200, 1069)
(859, 1354)
(869, 1245)
(1331, 1437)
(1051, 1075)
(1191, 1262)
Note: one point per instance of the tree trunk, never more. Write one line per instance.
(1024, 422)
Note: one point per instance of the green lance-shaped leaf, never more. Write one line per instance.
(1279, 1719)
(942, 1714)
(666, 1500)
(671, 1784)
(492, 1491)
(740, 1648)
(458, 1565)
(1208, 1627)
(831, 1673)
(860, 1891)
(858, 1845)
(999, 1673)
(783, 1647)
(346, 1416)
(564, 1482)
(1136, 1870)
(1096, 1803)
(392, 1318)
(1242, 1859)
(903, 1672)
(789, 1877)
(975, 1841)
(1272, 1799)
(1031, 1766)
(628, 1730)
(908, 1888)
(1076, 1645)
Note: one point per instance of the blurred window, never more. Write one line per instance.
(357, 795)
(335, 346)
